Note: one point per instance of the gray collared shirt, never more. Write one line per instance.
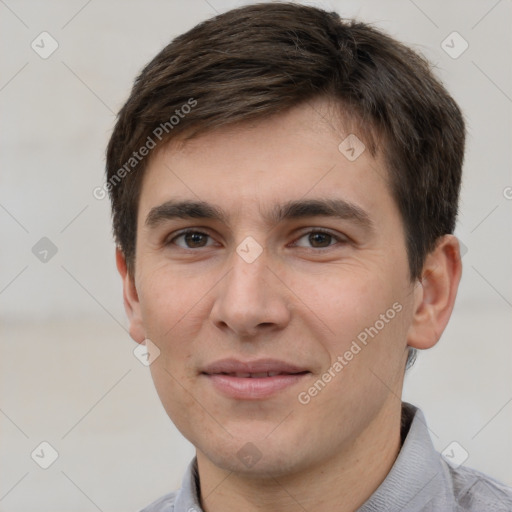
(419, 481)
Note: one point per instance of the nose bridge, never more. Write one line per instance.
(249, 274)
(247, 298)
(248, 264)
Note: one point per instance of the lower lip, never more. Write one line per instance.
(248, 388)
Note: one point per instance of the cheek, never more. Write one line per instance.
(368, 317)
(174, 390)
(166, 298)
(351, 301)
(365, 368)
(174, 309)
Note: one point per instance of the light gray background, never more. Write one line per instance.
(68, 373)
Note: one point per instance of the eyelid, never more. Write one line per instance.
(176, 234)
(338, 237)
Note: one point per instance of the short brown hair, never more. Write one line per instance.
(259, 60)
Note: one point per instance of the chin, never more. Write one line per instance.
(261, 458)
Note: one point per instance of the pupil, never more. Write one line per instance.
(193, 238)
(319, 237)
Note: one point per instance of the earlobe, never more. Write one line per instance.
(435, 293)
(130, 299)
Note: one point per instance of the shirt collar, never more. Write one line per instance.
(417, 474)
(187, 499)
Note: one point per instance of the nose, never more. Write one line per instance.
(251, 299)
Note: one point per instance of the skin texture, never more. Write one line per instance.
(304, 300)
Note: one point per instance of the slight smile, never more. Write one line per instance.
(253, 380)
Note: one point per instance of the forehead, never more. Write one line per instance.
(258, 166)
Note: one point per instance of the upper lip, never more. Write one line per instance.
(235, 366)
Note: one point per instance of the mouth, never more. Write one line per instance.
(258, 375)
(252, 380)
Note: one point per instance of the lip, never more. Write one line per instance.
(235, 378)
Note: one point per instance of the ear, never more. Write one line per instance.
(131, 299)
(434, 293)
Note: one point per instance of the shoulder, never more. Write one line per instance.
(163, 504)
(476, 491)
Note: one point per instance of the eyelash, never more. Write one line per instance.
(339, 239)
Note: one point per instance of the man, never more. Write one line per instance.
(285, 188)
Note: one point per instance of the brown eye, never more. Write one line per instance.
(192, 240)
(317, 239)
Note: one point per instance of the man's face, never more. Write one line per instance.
(304, 290)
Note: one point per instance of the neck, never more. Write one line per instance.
(342, 483)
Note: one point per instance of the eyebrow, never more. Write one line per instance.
(298, 209)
